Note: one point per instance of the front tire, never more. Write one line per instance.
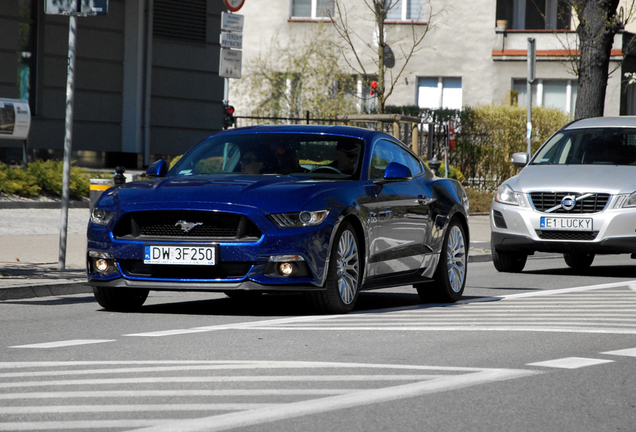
(450, 275)
(578, 260)
(508, 262)
(120, 299)
(343, 276)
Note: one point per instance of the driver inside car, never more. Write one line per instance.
(346, 157)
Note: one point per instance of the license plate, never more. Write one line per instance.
(566, 224)
(187, 255)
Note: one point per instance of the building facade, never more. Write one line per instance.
(474, 52)
(146, 78)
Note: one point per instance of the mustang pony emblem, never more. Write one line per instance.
(187, 226)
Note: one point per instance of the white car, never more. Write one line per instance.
(577, 196)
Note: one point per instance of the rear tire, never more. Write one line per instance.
(508, 262)
(578, 260)
(343, 276)
(450, 275)
(120, 299)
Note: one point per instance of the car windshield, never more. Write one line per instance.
(608, 146)
(314, 156)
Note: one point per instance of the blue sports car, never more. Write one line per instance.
(325, 210)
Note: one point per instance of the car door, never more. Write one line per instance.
(401, 213)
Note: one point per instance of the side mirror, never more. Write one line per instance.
(396, 171)
(157, 169)
(520, 159)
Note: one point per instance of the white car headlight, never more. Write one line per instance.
(630, 201)
(101, 216)
(506, 195)
(300, 219)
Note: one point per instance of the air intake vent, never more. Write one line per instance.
(182, 20)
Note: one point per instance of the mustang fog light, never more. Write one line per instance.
(287, 266)
(103, 262)
(286, 269)
(101, 265)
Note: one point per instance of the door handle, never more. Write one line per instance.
(424, 200)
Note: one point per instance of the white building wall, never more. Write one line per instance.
(461, 43)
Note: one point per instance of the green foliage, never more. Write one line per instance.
(479, 200)
(453, 172)
(489, 135)
(16, 181)
(45, 177)
(174, 161)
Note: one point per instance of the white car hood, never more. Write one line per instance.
(611, 179)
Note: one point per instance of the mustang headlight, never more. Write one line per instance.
(506, 195)
(299, 219)
(101, 216)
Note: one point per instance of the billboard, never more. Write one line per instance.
(86, 7)
(15, 119)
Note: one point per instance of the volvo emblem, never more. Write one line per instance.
(568, 202)
(187, 226)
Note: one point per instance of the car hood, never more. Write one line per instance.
(270, 194)
(575, 178)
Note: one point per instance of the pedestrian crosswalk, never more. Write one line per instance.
(599, 309)
(219, 395)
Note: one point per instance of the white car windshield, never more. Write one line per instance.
(604, 146)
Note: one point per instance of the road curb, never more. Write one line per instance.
(42, 204)
(43, 290)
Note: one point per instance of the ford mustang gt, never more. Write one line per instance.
(325, 210)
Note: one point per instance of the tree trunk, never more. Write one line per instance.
(596, 31)
(380, 15)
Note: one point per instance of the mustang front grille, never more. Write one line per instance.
(544, 201)
(171, 224)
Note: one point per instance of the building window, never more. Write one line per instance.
(535, 14)
(314, 9)
(547, 93)
(405, 10)
(440, 92)
(180, 20)
(27, 14)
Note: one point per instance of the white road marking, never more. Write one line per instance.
(352, 400)
(629, 352)
(174, 393)
(132, 408)
(613, 312)
(570, 363)
(67, 343)
(219, 379)
(241, 325)
(377, 383)
(81, 425)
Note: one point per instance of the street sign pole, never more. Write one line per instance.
(68, 137)
(532, 56)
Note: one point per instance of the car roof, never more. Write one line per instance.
(603, 122)
(349, 131)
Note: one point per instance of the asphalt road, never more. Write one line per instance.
(545, 350)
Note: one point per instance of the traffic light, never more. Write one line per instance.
(228, 116)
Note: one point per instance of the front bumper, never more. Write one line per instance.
(516, 228)
(240, 265)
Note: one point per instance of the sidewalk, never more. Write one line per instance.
(30, 245)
